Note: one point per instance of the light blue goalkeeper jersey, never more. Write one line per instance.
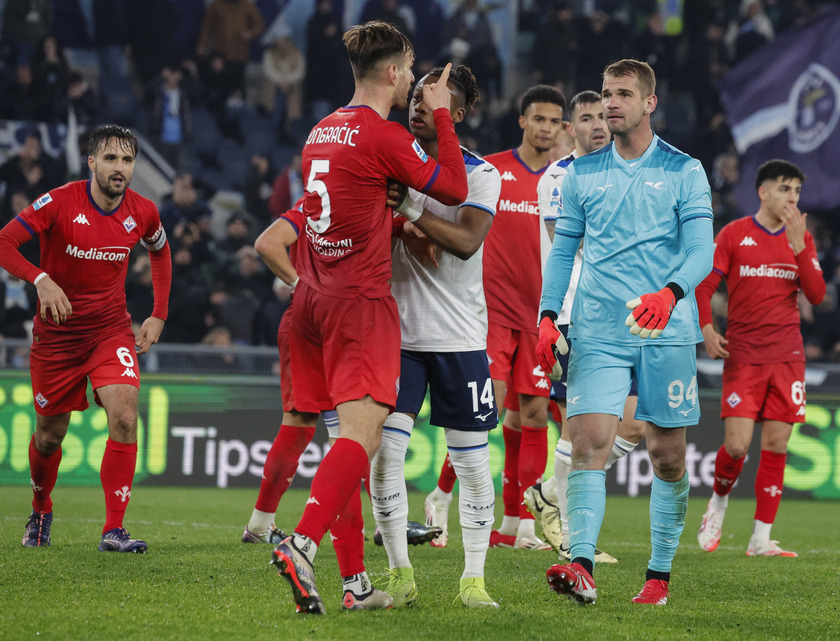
(646, 223)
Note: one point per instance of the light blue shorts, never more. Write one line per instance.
(600, 375)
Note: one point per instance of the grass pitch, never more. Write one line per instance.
(199, 582)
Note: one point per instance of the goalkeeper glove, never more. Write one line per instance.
(550, 345)
(651, 312)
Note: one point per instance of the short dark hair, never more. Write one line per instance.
(587, 97)
(100, 136)
(462, 77)
(776, 168)
(542, 93)
(370, 43)
(629, 67)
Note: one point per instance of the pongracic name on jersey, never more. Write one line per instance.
(768, 271)
(523, 206)
(342, 135)
(94, 253)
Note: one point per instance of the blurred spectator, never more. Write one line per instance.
(485, 63)
(250, 273)
(258, 187)
(183, 205)
(284, 68)
(553, 55)
(147, 22)
(267, 320)
(189, 300)
(139, 296)
(50, 73)
(287, 188)
(221, 94)
(32, 172)
(477, 131)
(219, 359)
(25, 24)
(79, 109)
(171, 123)
(724, 179)
(19, 302)
(708, 63)
(659, 50)
(22, 100)
(752, 30)
(234, 309)
(428, 40)
(237, 235)
(600, 41)
(325, 58)
(392, 12)
(229, 27)
(470, 23)
(110, 40)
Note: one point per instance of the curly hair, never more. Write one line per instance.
(462, 77)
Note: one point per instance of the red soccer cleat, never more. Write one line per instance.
(574, 581)
(654, 592)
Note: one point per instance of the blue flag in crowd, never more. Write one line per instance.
(783, 101)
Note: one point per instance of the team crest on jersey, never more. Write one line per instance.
(42, 402)
(129, 224)
(733, 400)
(419, 151)
(813, 102)
(43, 200)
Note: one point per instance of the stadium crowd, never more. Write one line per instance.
(228, 94)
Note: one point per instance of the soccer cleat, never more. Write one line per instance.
(708, 536)
(654, 592)
(272, 536)
(416, 533)
(119, 540)
(600, 555)
(546, 514)
(373, 600)
(437, 515)
(530, 543)
(499, 540)
(474, 594)
(574, 581)
(293, 566)
(767, 548)
(401, 586)
(37, 533)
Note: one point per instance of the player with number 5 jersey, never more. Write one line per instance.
(82, 330)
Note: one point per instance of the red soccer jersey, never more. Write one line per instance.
(512, 263)
(348, 160)
(763, 278)
(85, 251)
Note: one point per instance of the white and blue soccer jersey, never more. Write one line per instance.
(632, 214)
(442, 309)
(550, 199)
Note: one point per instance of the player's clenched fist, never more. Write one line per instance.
(550, 344)
(53, 300)
(650, 313)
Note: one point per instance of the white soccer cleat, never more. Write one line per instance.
(437, 515)
(710, 529)
(530, 543)
(767, 548)
(546, 514)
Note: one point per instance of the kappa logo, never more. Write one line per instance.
(733, 399)
(748, 241)
(801, 411)
(508, 176)
(543, 384)
(81, 219)
(124, 493)
(658, 186)
(604, 188)
(35, 486)
(313, 501)
(128, 372)
(41, 400)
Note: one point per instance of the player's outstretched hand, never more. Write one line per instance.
(149, 334)
(714, 342)
(650, 313)
(54, 302)
(550, 344)
(436, 95)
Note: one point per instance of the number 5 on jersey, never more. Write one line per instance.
(316, 186)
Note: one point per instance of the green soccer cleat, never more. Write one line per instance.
(401, 586)
(474, 594)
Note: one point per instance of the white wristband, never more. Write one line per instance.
(39, 277)
(294, 284)
(410, 209)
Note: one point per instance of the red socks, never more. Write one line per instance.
(447, 478)
(727, 470)
(281, 464)
(769, 481)
(348, 537)
(43, 471)
(117, 474)
(510, 474)
(335, 482)
(533, 456)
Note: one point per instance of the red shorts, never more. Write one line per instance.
(513, 358)
(772, 391)
(60, 368)
(287, 395)
(343, 349)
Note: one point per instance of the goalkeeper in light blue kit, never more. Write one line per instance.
(643, 209)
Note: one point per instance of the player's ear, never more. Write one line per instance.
(91, 162)
(652, 101)
(458, 114)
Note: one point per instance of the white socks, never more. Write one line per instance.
(260, 522)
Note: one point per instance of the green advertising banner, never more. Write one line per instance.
(215, 431)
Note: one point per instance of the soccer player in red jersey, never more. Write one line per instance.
(765, 260)
(82, 328)
(514, 253)
(345, 341)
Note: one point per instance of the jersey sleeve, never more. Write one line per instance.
(549, 193)
(485, 186)
(33, 221)
(695, 200)
(723, 252)
(154, 236)
(810, 273)
(571, 218)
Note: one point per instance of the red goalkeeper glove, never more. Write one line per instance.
(550, 344)
(651, 313)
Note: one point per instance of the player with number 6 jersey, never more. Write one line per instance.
(765, 260)
(82, 330)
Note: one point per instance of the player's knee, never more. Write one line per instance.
(123, 425)
(737, 450)
(47, 442)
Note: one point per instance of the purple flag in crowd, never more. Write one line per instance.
(783, 101)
